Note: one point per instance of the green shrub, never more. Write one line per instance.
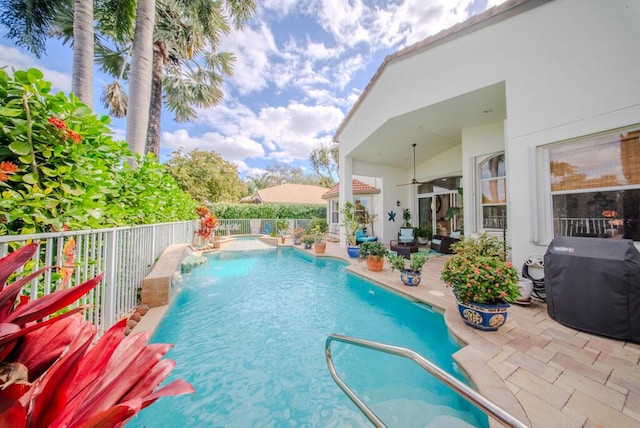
(237, 210)
(59, 167)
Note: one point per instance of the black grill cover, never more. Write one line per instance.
(593, 284)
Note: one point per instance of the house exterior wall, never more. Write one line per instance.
(570, 69)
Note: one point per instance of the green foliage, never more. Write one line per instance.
(206, 176)
(483, 245)
(479, 272)
(398, 262)
(376, 249)
(68, 170)
(350, 222)
(237, 210)
(319, 223)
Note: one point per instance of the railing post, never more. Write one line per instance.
(108, 297)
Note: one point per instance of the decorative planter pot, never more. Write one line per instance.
(296, 240)
(353, 251)
(320, 247)
(483, 317)
(375, 263)
(307, 245)
(410, 278)
(526, 288)
(423, 241)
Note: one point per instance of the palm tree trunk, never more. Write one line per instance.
(140, 77)
(82, 77)
(155, 111)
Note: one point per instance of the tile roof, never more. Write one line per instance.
(289, 193)
(359, 188)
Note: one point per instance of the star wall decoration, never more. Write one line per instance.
(392, 216)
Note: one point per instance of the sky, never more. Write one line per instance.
(300, 67)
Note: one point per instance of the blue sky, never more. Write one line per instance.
(300, 67)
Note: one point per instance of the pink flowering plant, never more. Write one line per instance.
(480, 273)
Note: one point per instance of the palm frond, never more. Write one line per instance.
(115, 99)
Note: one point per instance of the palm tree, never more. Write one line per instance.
(31, 21)
(82, 77)
(185, 66)
(140, 77)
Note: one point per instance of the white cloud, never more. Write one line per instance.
(252, 48)
(15, 59)
(235, 148)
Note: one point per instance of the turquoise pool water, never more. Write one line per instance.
(249, 330)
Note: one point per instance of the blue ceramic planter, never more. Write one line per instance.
(353, 252)
(483, 317)
(410, 278)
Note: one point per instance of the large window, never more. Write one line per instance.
(595, 186)
(493, 184)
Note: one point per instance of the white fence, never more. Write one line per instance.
(125, 254)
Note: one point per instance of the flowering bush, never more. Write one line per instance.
(59, 165)
(479, 274)
(207, 223)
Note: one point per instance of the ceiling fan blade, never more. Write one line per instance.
(405, 184)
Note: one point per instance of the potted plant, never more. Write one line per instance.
(424, 235)
(482, 280)
(406, 216)
(283, 229)
(319, 245)
(409, 275)
(374, 254)
(351, 226)
(297, 235)
(308, 241)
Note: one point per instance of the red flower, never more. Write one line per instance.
(7, 168)
(57, 123)
(75, 137)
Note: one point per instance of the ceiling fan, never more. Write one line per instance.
(413, 181)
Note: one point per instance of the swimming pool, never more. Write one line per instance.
(249, 330)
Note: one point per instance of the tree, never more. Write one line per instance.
(206, 176)
(324, 161)
(278, 173)
(31, 22)
(140, 77)
(186, 69)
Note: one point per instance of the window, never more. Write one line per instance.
(493, 184)
(335, 212)
(595, 186)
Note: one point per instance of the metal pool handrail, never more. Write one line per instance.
(475, 398)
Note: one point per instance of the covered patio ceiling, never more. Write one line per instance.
(435, 128)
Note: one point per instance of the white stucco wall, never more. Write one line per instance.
(570, 69)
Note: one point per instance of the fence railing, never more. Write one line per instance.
(593, 227)
(125, 254)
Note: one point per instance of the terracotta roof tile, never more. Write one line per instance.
(359, 188)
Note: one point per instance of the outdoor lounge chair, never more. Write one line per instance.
(442, 244)
(361, 237)
(406, 243)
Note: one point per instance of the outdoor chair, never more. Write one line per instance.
(406, 243)
(361, 237)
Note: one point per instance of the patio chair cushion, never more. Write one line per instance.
(406, 235)
(361, 237)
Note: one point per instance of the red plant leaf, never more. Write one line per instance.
(10, 293)
(177, 387)
(119, 375)
(98, 356)
(10, 396)
(49, 304)
(14, 416)
(41, 348)
(51, 390)
(6, 346)
(13, 261)
(153, 378)
(114, 417)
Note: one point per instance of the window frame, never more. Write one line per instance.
(480, 204)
